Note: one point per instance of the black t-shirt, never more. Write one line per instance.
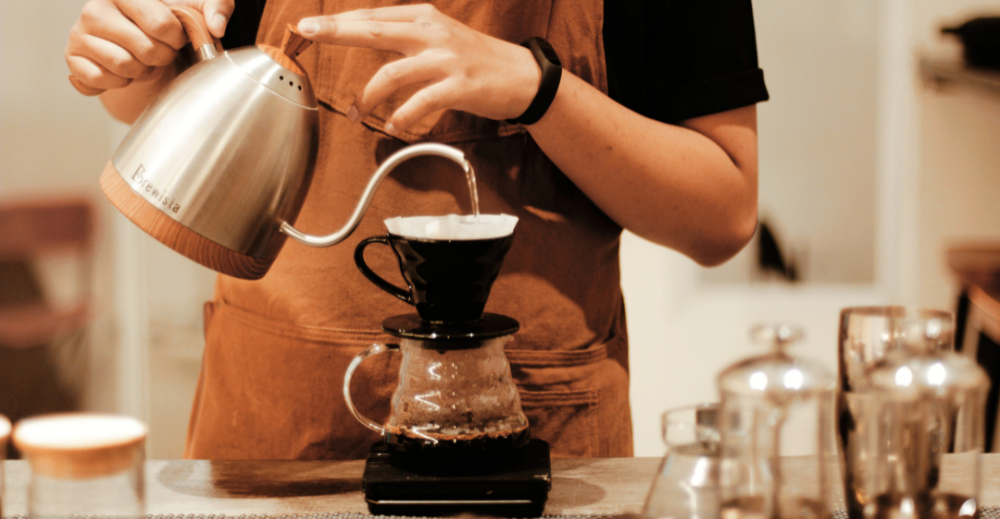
(669, 60)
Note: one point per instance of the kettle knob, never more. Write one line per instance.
(293, 45)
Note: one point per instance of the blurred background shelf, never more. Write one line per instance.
(947, 72)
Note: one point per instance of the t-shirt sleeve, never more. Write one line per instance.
(672, 60)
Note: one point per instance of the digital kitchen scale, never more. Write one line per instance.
(515, 483)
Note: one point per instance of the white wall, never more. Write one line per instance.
(817, 138)
(818, 183)
(54, 141)
(960, 155)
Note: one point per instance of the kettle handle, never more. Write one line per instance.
(407, 153)
(205, 45)
(374, 349)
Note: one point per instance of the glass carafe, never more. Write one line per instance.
(778, 455)
(452, 396)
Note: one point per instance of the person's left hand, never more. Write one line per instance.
(460, 68)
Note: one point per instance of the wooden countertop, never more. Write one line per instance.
(270, 488)
(275, 488)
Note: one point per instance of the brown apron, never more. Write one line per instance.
(277, 349)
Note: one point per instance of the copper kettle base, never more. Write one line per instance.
(181, 239)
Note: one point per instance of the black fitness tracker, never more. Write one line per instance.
(548, 61)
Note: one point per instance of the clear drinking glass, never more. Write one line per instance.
(687, 484)
(84, 464)
(867, 336)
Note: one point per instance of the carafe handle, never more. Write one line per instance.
(374, 349)
(205, 45)
(407, 153)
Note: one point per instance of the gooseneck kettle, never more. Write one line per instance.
(218, 166)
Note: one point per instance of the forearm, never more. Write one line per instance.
(669, 184)
(691, 188)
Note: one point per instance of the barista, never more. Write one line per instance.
(652, 128)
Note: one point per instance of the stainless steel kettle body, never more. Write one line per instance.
(238, 124)
(218, 166)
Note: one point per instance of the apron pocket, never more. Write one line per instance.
(565, 419)
(273, 390)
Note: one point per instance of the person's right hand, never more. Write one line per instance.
(116, 42)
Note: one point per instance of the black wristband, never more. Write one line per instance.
(548, 61)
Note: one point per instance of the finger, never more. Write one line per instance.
(84, 89)
(425, 102)
(391, 78)
(403, 13)
(110, 24)
(392, 36)
(156, 20)
(112, 57)
(217, 15)
(93, 75)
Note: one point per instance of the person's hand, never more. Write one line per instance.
(116, 42)
(459, 68)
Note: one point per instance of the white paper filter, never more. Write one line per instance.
(453, 226)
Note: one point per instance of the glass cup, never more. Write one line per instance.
(687, 484)
(84, 464)
(867, 336)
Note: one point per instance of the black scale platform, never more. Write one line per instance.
(515, 484)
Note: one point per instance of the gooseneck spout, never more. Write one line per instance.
(417, 150)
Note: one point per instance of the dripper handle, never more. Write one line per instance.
(417, 150)
(205, 45)
(359, 260)
(374, 349)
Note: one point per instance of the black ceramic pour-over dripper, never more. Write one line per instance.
(449, 280)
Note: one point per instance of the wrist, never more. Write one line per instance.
(528, 78)
(551, 74)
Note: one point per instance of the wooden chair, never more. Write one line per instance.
(31, 231)
(978, 320)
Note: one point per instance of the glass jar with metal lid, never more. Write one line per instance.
(778, 443)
